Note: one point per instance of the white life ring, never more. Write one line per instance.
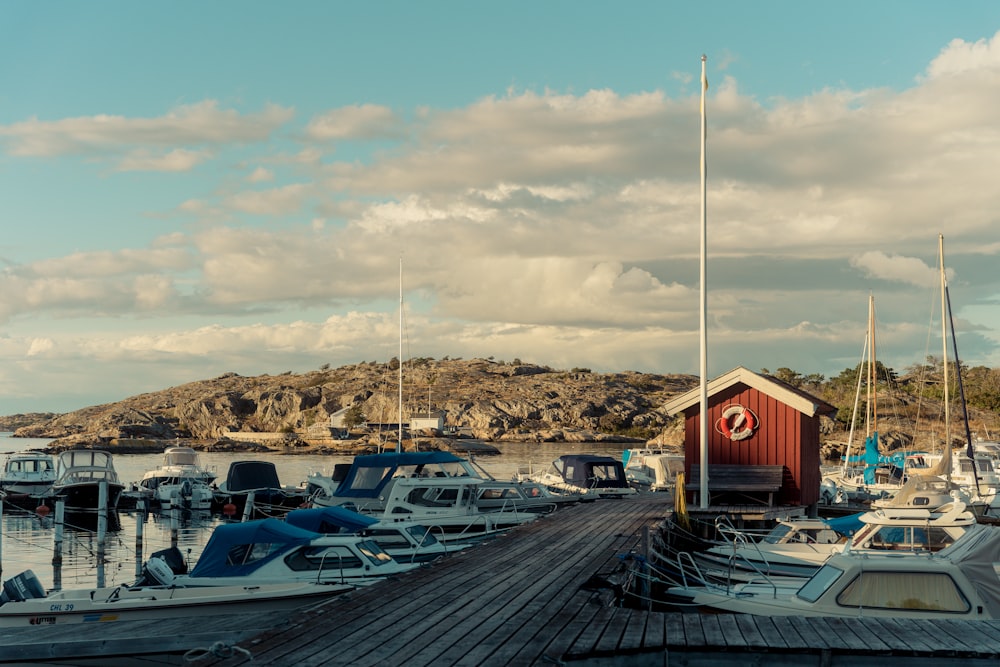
(737, 422)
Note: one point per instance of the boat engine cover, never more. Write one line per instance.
(24, 586)
(158, 570)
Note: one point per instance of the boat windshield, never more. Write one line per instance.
(819, 583)
(422, 535)
(374, 552)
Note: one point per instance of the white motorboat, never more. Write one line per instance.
(525, 496)
(273, 551)
(447, 507)
(652, 469)
(925, 492)
(799, 547)
(440, 491)
(958, 583)
(405, 541)
(974, 475)
(366, 480)
(180, 481)
(590, 476)
(24, 602)
(80, 473)
(29, 473)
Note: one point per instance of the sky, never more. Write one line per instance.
(189, 189)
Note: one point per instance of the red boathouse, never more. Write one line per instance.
(763, 441)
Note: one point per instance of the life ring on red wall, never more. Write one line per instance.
(737, 422)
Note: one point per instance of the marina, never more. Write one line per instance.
(538, 596)
(575, 586)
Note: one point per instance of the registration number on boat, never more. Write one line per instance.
(61, 607)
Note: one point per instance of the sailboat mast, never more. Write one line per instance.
(872, 366)
(703, 310)
(946, 454)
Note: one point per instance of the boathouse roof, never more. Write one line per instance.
(782, 391)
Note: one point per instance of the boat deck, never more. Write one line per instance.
(536, 596)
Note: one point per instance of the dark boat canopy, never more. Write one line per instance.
(329, 520)
(591, 471)
(237, 549)
(370, 474)
(251, 475)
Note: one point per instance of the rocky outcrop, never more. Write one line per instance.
(488, 400)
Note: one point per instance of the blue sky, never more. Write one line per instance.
(189, 189)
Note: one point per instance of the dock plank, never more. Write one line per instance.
(656, 636)
(694, 634)
(712, 630)
(748, 628)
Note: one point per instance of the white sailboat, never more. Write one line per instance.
(972, 474)
(868, 475)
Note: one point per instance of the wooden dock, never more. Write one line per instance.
(536, 596)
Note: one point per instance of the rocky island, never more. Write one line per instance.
(481, 399)
(355, 409)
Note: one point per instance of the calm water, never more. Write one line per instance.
(27, 540)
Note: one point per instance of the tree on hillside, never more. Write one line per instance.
(355, 416)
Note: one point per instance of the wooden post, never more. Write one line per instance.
(102, 529)
(140, 520)
(58, 543)
(174, 525)
(647, 602)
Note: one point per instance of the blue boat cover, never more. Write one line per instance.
(329, 520)
(370, 473)
(846, 525)
(237, 549)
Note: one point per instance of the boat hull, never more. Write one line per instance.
(108, 605)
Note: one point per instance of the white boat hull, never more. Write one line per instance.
(107, 605)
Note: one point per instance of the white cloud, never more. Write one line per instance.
(175, 160)
(961, 56)
(548, 226)
(261, 175)
(895, 268)
(365, 121)
(202, 123)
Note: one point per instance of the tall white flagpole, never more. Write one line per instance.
(703, 369)
(399, 437)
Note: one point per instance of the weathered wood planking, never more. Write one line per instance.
(520, 600)
(469, 608)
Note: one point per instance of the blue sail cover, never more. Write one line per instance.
(871, 457)
(329, 520)
(238, 549)
(369, 474)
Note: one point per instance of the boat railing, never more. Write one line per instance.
(340, 567)
(487, 525)
(730, 534)
(691, 573)
(510, 506)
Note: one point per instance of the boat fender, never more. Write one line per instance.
(158, 569)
